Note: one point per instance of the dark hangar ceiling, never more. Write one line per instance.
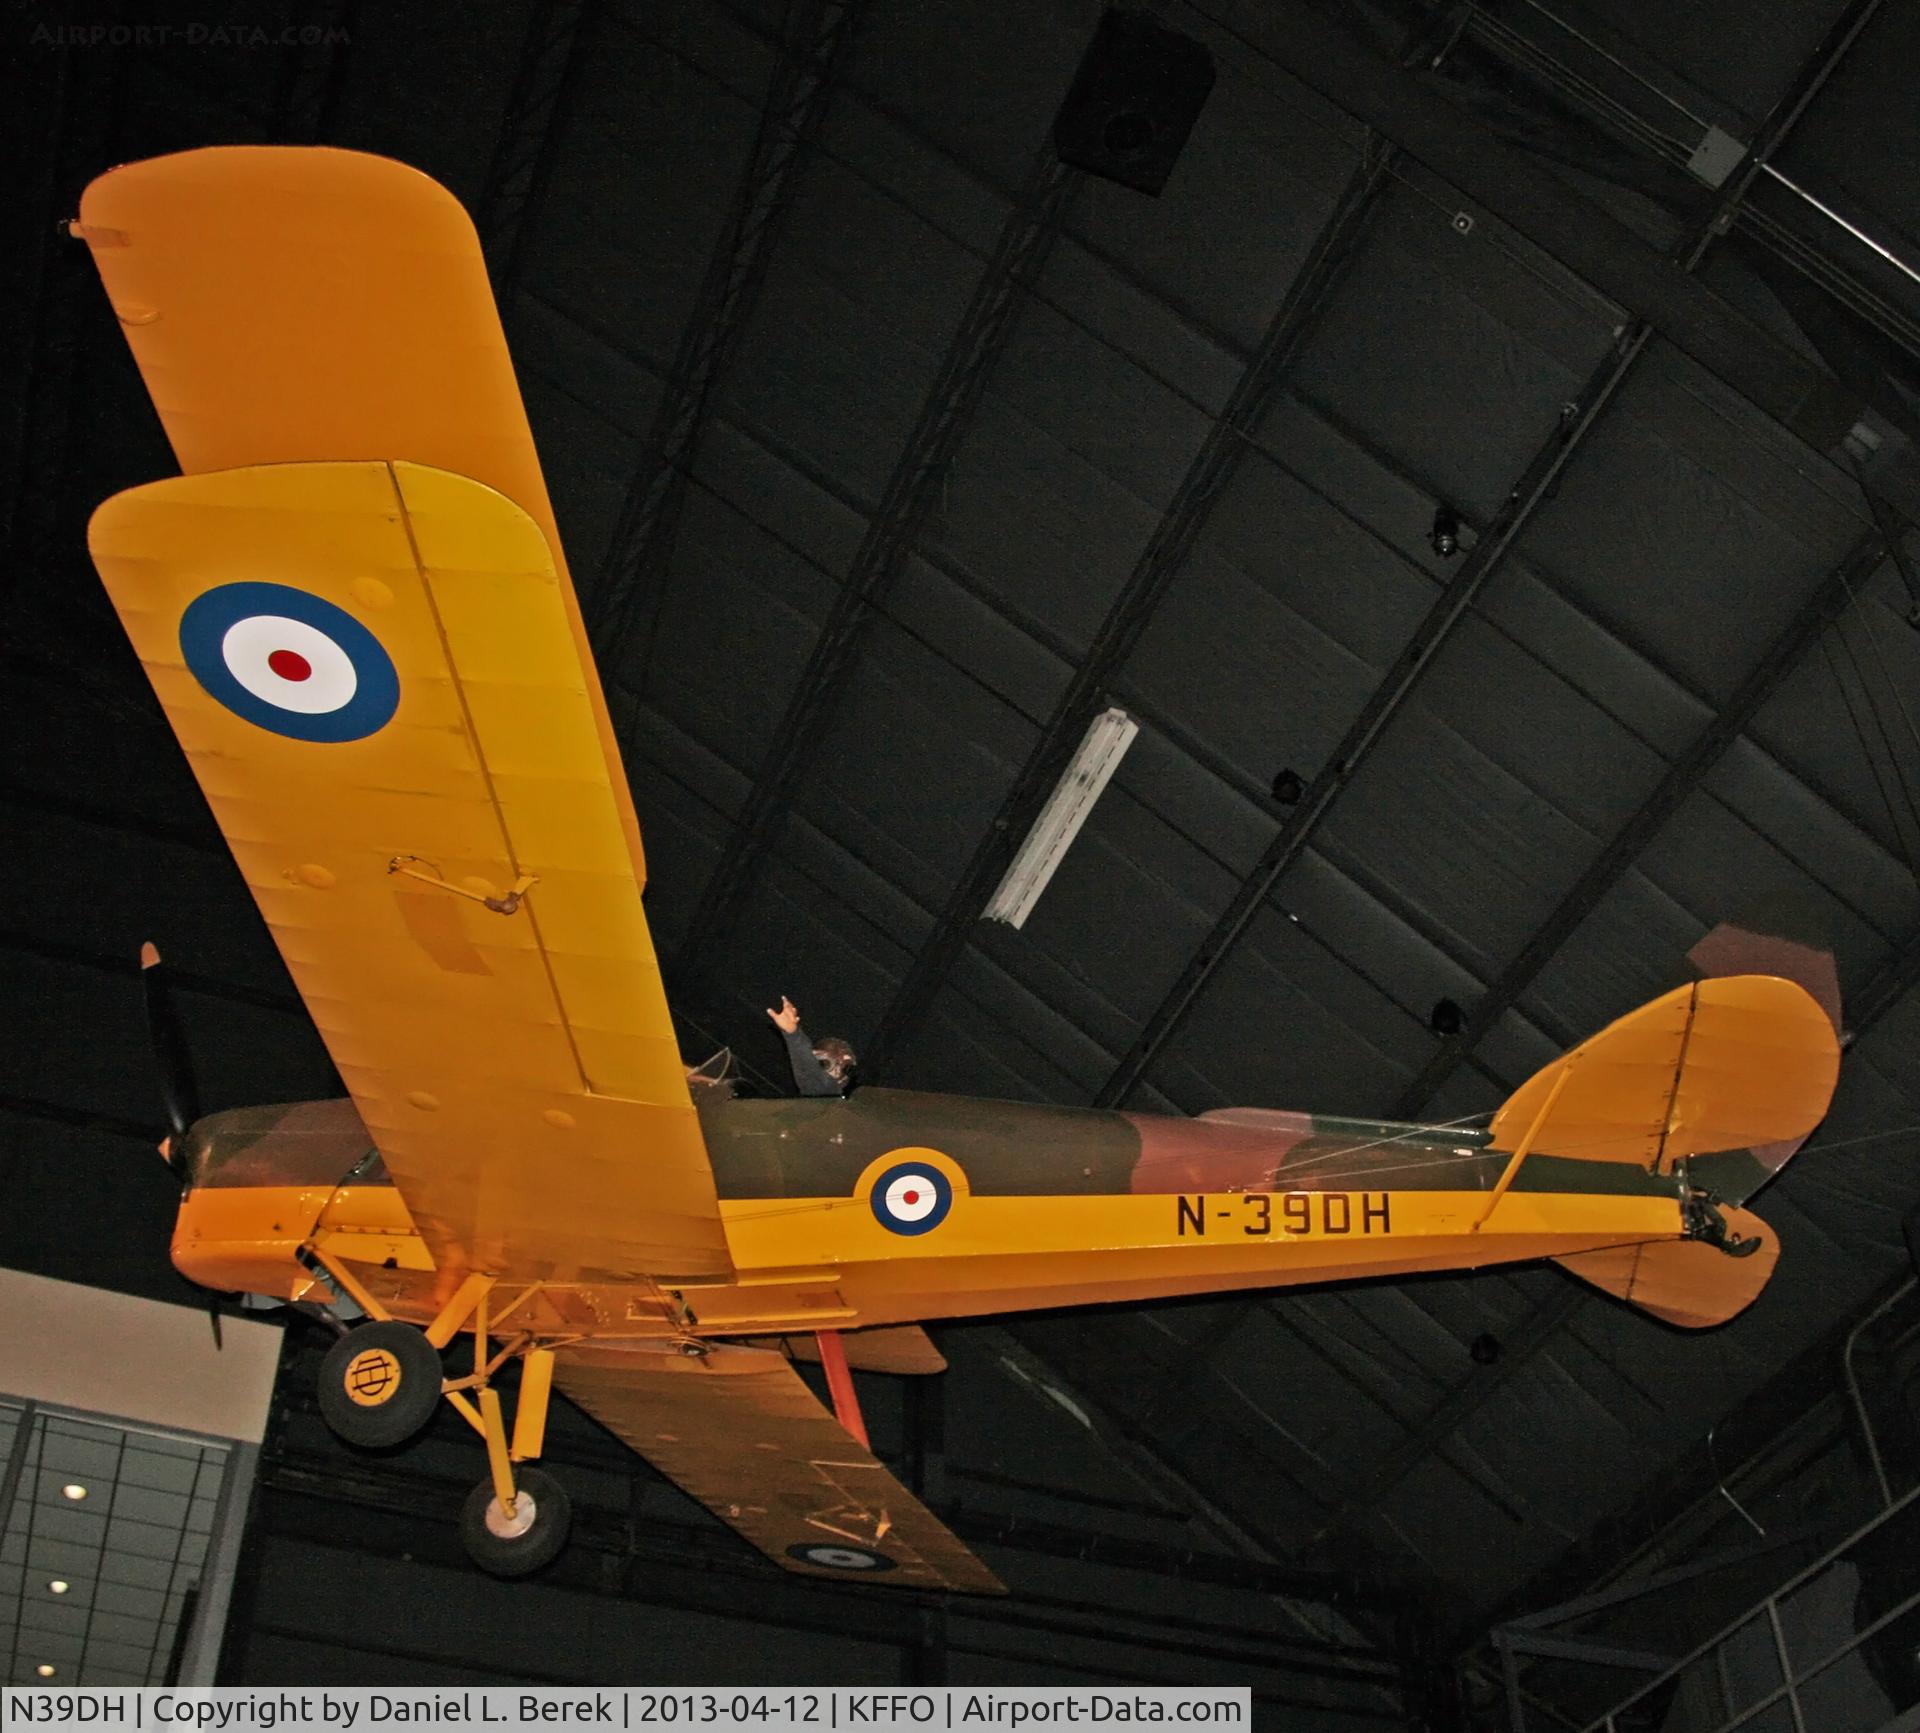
(888, 451)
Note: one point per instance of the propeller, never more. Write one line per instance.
(177, 1089)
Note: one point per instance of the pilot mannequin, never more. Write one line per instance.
(823, 1067)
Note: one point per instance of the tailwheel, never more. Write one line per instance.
(512, 1545)
(379, 1383)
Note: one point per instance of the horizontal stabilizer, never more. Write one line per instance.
(1729, 1063)
(1691, 1283)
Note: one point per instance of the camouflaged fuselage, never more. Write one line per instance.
(896, 1205)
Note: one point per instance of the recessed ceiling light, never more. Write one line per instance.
(73, 1489)
(46, 1670)
(58, 1586)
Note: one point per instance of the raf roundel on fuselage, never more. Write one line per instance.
(912, 1198)
(289, 662)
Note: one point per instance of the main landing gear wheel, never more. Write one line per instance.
(379, 1383)
(512, 1546)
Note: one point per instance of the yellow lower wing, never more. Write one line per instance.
(739, 1431)
(373, 671)
(1733, 1062)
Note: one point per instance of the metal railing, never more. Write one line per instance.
(1777, 1668)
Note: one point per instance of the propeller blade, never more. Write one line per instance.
(169, 1052)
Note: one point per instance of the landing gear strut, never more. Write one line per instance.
(379, 1385)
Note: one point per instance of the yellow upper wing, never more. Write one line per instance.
(1731, 1062)
(373, 671)
(292, 305)
(739, 1431)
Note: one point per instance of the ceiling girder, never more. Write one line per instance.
(85, 1118)
(1896, 979)
(82, 87)
(535, 109)
(1025, 241)
(634, 572)
(1519, 1344)
(1655, 289)
(1372, 79)
(200, 840)
(312, 75)
(1821, 609)
(1545, 1320)
(1213, 467)
(53, 951)
(1449, 607)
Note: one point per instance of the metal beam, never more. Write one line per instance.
(549, 57)
(1546, 1320)
(1025, 241)
(77, 120)
(1548, 1648)
(84, 1118)
(1827, 603)
(312, 74)
(1662, 155)
(1895, 979)
(1213, 468)
(1518, 1347)
(1116, 1429)
(1367, 76)
(1449, 607)
(201, 840)
(634, 572)
(1657, 290)
(53, 951)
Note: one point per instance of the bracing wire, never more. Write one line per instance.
(1886, 673)
(1873, 761)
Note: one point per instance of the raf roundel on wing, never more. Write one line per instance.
(289, 662)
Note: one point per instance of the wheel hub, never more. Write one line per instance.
(373, 1378)
(504, 1527)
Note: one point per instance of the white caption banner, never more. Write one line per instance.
(232, 1709)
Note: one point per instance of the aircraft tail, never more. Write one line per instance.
(1723, 1079)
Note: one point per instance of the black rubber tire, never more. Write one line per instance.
(406, 1374)
(519, 1555)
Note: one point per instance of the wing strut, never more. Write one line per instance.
(846, 1402)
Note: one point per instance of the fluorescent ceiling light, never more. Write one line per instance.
(1060, 819)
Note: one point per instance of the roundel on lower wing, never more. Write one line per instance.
(289, 662)
(912, 1197)
(840, 1558)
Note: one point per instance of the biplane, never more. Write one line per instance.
(354, 609)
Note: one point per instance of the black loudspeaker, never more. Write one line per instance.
(1133, 102)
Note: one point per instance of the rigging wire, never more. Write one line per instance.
(1886, 673)
(1866, 747)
